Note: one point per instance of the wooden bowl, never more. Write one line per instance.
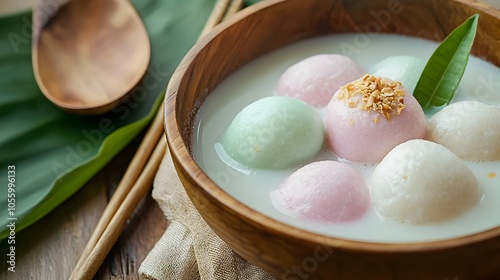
(283, 250)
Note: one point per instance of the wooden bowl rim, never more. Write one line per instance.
(179, 151)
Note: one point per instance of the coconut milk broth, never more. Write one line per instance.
(254, 188)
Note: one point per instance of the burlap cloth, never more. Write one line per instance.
(189, 249)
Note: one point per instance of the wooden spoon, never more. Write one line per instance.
(89, 55)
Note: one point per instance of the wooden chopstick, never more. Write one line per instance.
(235, 6)
(216, 16)
(128, 194)
(131, 174)
(119, 220)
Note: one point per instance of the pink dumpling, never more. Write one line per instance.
(360, 133)
(327, 191)
(315, 79)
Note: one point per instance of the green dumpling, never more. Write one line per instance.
(404, 69)
(274, 133)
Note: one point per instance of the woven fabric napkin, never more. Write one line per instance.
(189, 249)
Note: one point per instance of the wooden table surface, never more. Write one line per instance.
(50, 248)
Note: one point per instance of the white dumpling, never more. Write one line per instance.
(422, 182)
(470, 129)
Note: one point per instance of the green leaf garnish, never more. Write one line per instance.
(446, 66)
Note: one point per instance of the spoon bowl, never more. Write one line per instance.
(89, 55)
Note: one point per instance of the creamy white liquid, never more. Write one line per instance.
(254, 187)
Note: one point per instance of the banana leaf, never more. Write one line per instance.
(52, 153)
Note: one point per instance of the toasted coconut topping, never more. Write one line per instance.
(374, 94)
